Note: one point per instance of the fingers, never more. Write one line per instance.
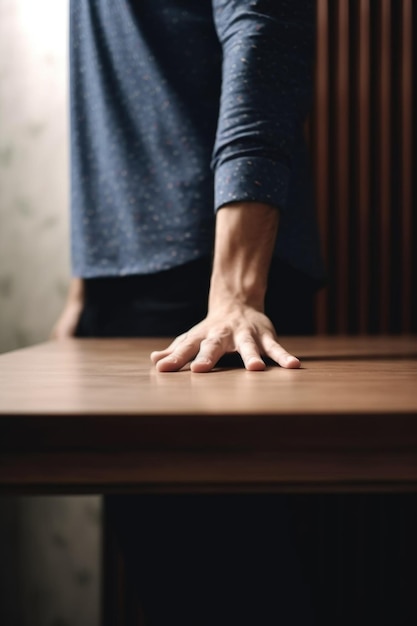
(204, 346)
(205, 353)
(249, 351)
(175, 356)
(211, 349)
(157, 355)
(277, 353)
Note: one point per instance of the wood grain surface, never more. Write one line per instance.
(95, 416)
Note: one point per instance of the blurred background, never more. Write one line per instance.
(49, 547)
(362, 136)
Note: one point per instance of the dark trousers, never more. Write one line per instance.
(169, 303)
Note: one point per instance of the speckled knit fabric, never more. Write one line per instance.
(179, 107)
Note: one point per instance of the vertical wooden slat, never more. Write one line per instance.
(383, 159)
(406, 159)
(364, 163)
(342, 163)
(321, 144)
(363, 78)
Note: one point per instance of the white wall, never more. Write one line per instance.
(34, 258)
(49, 547)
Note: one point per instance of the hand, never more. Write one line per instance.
(245, 236)
(68, 320)
(232, 327)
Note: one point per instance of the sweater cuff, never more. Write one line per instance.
(255, 179)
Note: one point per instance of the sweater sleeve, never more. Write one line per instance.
(268, 53)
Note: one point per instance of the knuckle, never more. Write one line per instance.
(179, 340)
(247, 341)
(186, 347)
(221, 333)
(212, 342)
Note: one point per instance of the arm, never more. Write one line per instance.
(267, 53)
(68, 320)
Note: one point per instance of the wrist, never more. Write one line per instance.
(244, 242)
(231, 287)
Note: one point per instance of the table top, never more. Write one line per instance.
(348, 416)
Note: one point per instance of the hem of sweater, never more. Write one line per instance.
(131, 270)
(251, 179)
(316, 272)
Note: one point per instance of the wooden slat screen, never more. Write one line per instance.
(363, 150)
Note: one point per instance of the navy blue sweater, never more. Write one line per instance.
(179, 107)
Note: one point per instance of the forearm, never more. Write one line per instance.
(76, 291)
(68, 320)
(244, 243)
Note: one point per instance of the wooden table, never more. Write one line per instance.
(93, 416)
